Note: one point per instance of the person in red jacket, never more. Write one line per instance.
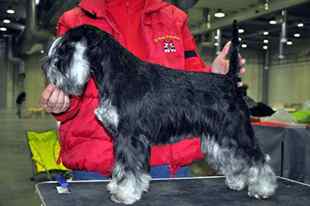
(156, 32)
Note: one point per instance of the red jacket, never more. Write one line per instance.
(85, 145)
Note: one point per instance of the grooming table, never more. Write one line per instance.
(199, 191)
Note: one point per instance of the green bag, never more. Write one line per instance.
(302, 116)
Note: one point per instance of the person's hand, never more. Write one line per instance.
(54, 100)
(220, 64)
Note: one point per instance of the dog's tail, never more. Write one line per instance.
(234, 64)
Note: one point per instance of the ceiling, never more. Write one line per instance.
(226, 5)
(254, 28)
(17, 24)
(253, 17)
(250, 13)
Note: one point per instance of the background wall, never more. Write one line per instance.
(3, 71)
(8, 78)
(290, 79)
(289, 83)
(34, 82)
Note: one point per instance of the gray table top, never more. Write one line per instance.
(179, 191)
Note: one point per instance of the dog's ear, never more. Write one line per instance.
(90, 35)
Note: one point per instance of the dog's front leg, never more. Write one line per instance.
(108, 115)
(130, 176)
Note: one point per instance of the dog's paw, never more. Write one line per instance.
(262, 182)
(237, 182)
(130, 189)
(124, 199)
(112, 186)
(262, 190)
(259, 193)
(237, 186)
(124, 193)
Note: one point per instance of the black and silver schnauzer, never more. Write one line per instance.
(144, 104)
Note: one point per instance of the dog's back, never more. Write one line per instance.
(173, 103)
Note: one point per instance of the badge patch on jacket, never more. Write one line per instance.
(169, 47)
(167, 42)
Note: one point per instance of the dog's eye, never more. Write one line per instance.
(61, 51)
(57, 63)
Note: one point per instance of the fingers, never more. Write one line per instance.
(242, 70)
(59, 102)
(225, 50)
(221, 64)
(54, 100)
(66, 103)
(242, 63)
(46, 95)
(226, 66)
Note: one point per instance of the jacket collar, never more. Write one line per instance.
(154, 5)
(98, 7)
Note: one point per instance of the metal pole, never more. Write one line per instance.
(283, 38)
(218, 41)
(265, 77)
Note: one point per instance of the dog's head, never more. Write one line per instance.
(68, 62)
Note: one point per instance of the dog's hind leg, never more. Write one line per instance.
(237, 155)
(130, 176)
(262, 181)
(224, 157)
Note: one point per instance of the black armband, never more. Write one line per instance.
(189, 54)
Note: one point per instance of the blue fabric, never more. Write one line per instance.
(84, 175)
(156, 172)
(163, 172)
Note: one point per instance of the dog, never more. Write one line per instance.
(144, 104)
